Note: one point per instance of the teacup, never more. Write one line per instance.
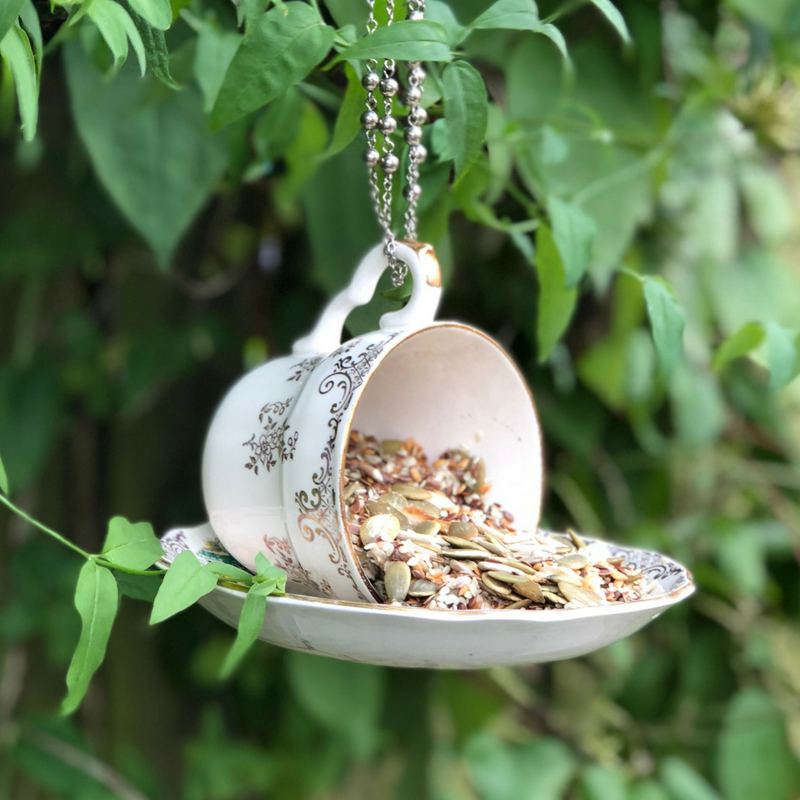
(273, 465)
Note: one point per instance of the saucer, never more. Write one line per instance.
(415, 637)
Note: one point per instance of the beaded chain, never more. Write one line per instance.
(384, 123)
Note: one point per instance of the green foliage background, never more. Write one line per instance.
(624, 220)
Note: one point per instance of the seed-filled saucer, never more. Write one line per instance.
(437, 639)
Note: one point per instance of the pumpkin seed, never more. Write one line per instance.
(573, 562)
(464, 553)
(411, 492)
(384, 526)
(464, 530)
(512, 562)
(422, 588)
(395, 500)
(579, 595)
(553, 597)
(397, 580)
(428, 508)
(531, 590)
(561, 577)
(507, 577)
(459, 542)
(519, 604)
(350, 490)
(390, 447)
(429, 527)
(495, 586)
(576, 540)
(497, 549)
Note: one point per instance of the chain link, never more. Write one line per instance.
(384, 157)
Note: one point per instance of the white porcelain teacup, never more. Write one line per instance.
(273, 459)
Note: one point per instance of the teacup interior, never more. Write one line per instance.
(451, 386)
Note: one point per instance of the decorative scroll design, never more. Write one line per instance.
(282, 556)
(654, 566)
(300, 369)
(272, 444)
(317, 505)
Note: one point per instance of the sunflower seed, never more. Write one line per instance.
(397, 580)
(411, 492)
(384, 526)
(423, 588)
(531, 590)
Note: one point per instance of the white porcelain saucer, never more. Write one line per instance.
(410, 637)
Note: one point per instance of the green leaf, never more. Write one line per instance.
(9, 11)
(155, 50)
(157, 12)
(556, 299)
(744, 341)
(15, 49)
(131, 545)
(517, 15)
(138, 587)
(251, 619)
(3, 478)
(409, 40)
(152, 152)
(573, 233)
(278, 50)
(29, 17)
(348, 120)
(611, 13)
(466, 109)
(326, 689)
(603, 783)
(666, 321)
(683, 782)
(783, 357)
(216, 47)
(440, 12)
(186, 581)
(230, 571)
(267, 572)
(116, 27)
(96, 598)
(540, 769)
(754, 759)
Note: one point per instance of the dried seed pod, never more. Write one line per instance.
(397, 580)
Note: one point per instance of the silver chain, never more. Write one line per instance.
(385, 158)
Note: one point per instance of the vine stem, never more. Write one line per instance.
(6, 502)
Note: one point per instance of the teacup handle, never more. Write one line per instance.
(417, 313)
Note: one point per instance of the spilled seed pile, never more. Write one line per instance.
(426, 537)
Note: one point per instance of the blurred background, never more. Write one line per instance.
(146, 262)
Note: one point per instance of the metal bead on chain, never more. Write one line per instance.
(381, 154)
